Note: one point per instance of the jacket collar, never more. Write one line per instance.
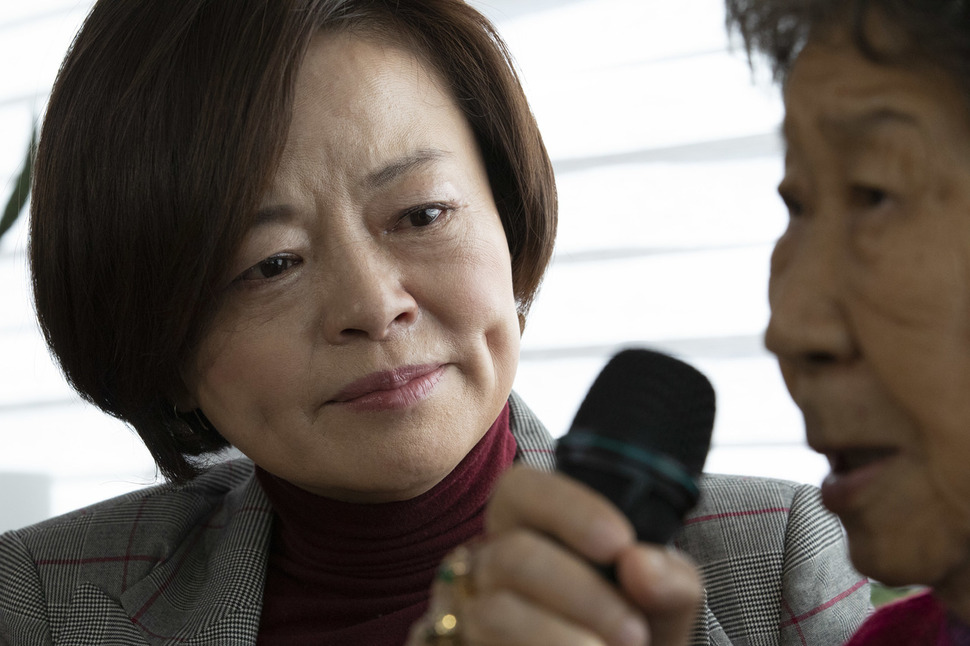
(209, 590)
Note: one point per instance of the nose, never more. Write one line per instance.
(366, 296)
(808, 324)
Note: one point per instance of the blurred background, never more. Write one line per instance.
(667, 154)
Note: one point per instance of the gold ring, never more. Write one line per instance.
(454, 584)
(456, 570)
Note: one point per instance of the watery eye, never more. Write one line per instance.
(270, 267)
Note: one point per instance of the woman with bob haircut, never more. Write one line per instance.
(311, 230)
(869, 284)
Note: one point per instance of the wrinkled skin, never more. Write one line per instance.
(870, 304)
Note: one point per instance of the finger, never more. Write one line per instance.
(561, 507)
(505, 619)
(418, 635)
(549, 576)
(667, 588)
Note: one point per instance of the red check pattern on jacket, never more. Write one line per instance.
(774, 564)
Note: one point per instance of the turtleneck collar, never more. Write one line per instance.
(361, 573)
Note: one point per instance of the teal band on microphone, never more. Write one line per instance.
(667, 466)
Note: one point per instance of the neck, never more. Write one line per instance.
(366, 569)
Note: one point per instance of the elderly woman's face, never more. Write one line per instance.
(870, 300)
(369, 337)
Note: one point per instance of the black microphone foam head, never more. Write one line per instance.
(653, 401)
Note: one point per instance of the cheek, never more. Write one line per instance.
(910, 310)
(482, 302)
(479, 276)
(245, 375)
(502, 334)
(911, 317)
(911, 265)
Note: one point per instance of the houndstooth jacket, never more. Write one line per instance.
(186, 565)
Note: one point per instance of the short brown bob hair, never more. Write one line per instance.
(164, 127)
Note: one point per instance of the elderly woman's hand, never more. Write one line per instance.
(530, 581)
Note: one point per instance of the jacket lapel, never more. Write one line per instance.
(210, 590)
(535, 446)
(99, 620)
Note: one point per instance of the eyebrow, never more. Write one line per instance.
(379, 178)
(271, 214)
(865, 122)
(860, 124)
(412, 161)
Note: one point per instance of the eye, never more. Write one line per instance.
(422, 216)
(794, 206)
(271, 267)
(869, 197)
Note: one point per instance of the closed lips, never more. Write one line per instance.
(846, 460)
(381, 381)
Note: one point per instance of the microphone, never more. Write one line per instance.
(641, 437)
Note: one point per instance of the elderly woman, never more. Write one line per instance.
(870, 284)
(311, 230)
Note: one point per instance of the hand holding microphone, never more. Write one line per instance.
(640, 438)
(631, 455)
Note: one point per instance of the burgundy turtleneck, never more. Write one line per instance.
(344, 573)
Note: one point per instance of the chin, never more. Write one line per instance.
(376, 492)
(896, 562)
(403, 480)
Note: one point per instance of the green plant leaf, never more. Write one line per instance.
(21, 190)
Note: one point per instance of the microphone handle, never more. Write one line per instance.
(654, 491)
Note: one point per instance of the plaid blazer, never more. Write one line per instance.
(186, 565)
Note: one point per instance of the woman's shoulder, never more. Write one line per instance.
(203, 540)
(774, 562)
(165, 504)
(757, 513)
(732, 498)
(719, 490)
(754, 509)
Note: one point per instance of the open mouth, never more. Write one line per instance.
(847, 460)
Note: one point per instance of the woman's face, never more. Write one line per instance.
(368, 336)
(870, 299)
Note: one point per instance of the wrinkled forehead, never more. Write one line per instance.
(837, 90)
(847, 32)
